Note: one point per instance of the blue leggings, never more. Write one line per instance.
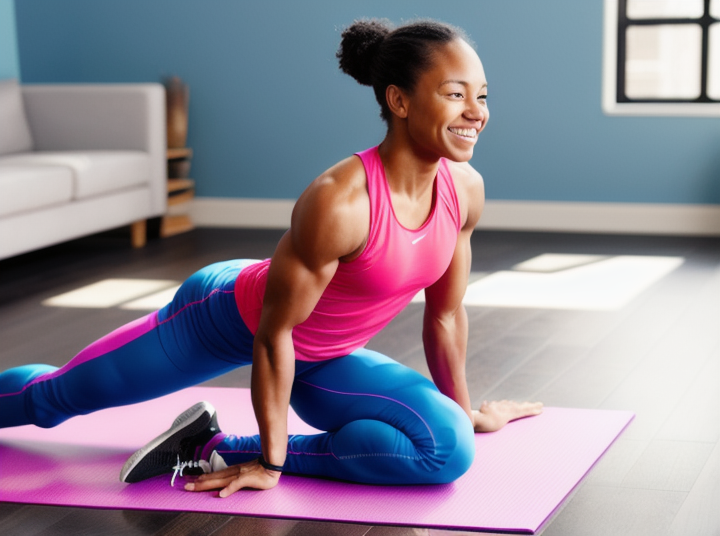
(384, 422)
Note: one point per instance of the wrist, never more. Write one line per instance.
(269, 466)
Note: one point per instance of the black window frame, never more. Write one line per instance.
(623, 23)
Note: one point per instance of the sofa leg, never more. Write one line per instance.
(138, 234)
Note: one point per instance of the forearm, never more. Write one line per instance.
(272, 377)
(445, 342)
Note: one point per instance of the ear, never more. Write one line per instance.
(397, 101)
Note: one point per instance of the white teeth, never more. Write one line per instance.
(466, 132)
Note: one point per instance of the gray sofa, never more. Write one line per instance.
(79, 159)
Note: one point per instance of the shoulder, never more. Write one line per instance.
(339, 192)
(345, 180)
(333, 213)
(470, 189)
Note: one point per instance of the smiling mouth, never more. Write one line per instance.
(467, 133)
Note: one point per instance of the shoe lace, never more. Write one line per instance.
(181, 466)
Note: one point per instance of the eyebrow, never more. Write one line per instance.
(461, 82)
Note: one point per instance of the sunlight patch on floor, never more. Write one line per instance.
(605, 285)
(567, 281)
(112, 293)
(555, 262)
(152, 302)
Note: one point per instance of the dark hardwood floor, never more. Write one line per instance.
(658, 356)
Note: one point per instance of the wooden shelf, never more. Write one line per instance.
(177, 185)
(181, 198)
(179, 152)
(172, 225)
(179, 191)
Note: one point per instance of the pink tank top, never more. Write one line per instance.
(365, 294)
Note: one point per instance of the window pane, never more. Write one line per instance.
(663, 61)
(714, 62)
(715, 8)
(665, 9)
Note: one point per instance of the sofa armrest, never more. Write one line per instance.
(102, 117)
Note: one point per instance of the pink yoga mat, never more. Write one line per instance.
(520, 476)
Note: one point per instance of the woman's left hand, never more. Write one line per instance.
(494, 415)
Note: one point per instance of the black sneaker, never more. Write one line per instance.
(178, 449)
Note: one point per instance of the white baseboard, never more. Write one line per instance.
(241, 212)
(623, 218)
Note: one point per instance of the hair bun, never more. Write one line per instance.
(359, 44)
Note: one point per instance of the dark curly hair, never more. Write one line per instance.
(376, 54)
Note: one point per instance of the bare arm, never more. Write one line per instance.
(330, 221)
(445, 326)
(295, 283)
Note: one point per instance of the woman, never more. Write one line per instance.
(365, 237)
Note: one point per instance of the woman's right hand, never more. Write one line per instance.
(236, 477)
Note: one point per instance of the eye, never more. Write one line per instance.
(456, 95)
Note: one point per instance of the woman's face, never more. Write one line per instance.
(448, 108)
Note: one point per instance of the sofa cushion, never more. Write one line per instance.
(15, 133)
(94, 172)
(24, 188)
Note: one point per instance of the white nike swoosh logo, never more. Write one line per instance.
(418, 239)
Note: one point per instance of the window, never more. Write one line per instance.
(662, 57)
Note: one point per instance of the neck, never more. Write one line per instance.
(406, 169)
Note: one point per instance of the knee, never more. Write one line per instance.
(16, 379)
(456, 452)
(453, 449)
(18, 408)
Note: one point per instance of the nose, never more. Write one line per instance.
(476, 110)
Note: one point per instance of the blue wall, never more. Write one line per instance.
(270, 110)
(9, 65)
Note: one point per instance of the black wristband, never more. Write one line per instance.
(269, 466)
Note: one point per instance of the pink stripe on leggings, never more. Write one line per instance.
(112, 341)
